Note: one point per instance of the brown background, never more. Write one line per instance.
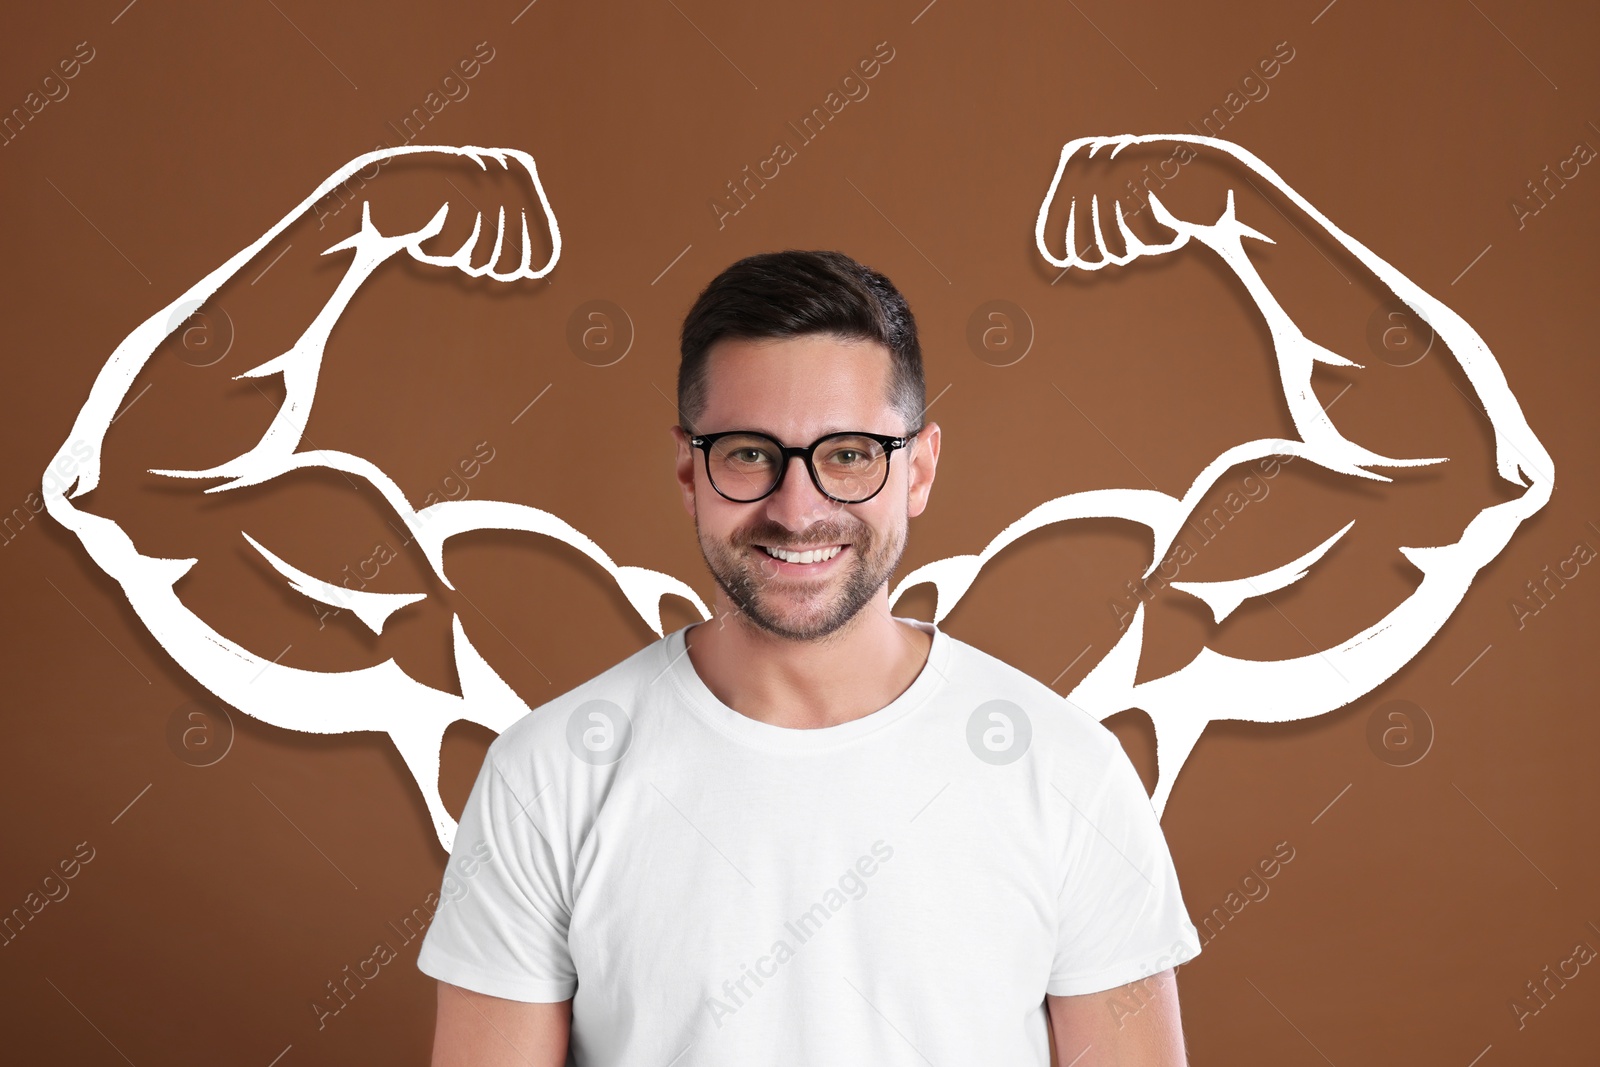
(221, 899)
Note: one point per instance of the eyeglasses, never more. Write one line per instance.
(849, 467)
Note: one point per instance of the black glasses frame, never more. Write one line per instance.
(704, 441)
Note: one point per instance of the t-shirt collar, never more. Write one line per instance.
(675, 662)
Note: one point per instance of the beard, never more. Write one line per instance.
(801, 609)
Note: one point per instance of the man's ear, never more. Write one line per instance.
(683, 468)
(922, 456)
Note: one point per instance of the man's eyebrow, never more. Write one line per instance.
(779, 437)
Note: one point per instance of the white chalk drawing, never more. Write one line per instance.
(383, 698)
(1213, 686)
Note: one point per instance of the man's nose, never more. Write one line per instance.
(796, 504)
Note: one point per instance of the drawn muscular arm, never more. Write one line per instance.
(1387, 513)
(1236, 208)
(174, 439)
(1414, 445)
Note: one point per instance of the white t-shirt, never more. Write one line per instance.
(903, 888)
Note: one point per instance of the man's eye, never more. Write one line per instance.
(747, 455)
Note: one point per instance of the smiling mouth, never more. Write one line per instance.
(820, 554)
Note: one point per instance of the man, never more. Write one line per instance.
(807, 832)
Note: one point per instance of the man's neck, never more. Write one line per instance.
(806, 685)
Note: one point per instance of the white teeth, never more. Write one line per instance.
(809, 556)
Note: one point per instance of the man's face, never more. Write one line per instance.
(797, 390)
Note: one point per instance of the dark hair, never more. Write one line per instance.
(792, 294)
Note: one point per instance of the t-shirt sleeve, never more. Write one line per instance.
(502, 920)
(1122, 916)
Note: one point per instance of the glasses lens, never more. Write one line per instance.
(743, 466)
(851, 467)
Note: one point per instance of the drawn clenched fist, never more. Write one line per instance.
(480, 210)
(1115, 199)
